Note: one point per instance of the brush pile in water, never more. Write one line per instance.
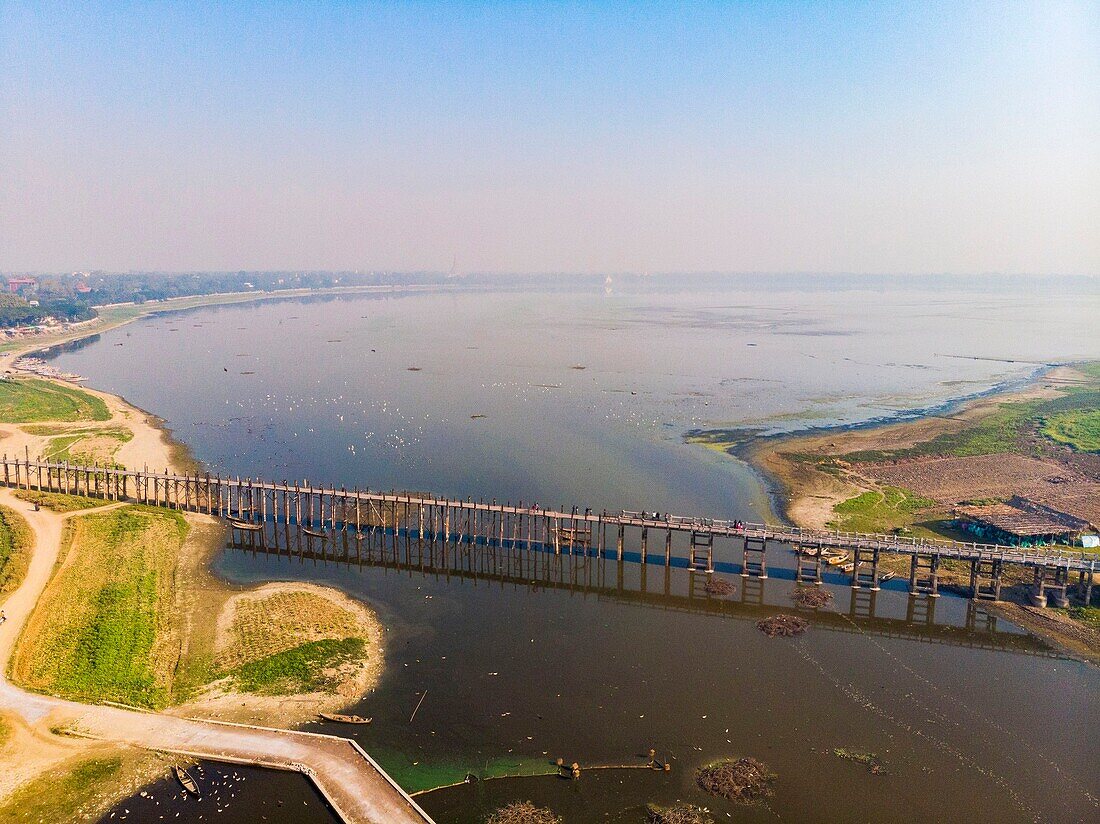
(523, 812)
(813, 597)
(745, 779)
(782, 625)
(718, 586)
(678, 814)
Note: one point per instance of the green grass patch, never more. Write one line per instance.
(887, 510)
(31, 400)
(61, 796)
(1089, 616)
(298, 670)
(57, 502)
(1078, 429)
(107, 627)
(16, 545)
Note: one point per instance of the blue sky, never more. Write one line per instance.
(865, 137)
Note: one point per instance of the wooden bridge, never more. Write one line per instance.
(680, 541)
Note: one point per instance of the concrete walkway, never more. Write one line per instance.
(354, 784)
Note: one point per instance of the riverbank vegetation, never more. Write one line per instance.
(33, 400)
(743, 779)
(16, 546)
(79, 790)
(523, 812)
(106, 629)
(57, 501)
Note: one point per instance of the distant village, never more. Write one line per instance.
(37, 304)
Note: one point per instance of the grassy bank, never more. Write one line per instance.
(78, 791)
(106, 628)
(16, 546)
(31, 400)
(58, 502)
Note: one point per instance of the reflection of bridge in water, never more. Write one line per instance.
(623, 579)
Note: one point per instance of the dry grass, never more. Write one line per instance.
(523, 812)
(783, 625)
(745, 779)
(258, 625)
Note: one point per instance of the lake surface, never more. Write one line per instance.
(525, 660)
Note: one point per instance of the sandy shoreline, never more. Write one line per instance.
(804, 496)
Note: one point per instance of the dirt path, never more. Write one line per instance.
(355, 785)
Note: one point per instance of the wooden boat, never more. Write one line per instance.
(837, 560)
(186, 781)
(886, 576)
(344, 719)
(849, 567)
(243, 525)
(313, 532)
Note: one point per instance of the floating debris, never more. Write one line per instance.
(867, 759)
(523, 812)
(782, 625)
(718, 586)
(811, 596)
(745, 779)
(677, 814)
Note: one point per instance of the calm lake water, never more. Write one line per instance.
(577, 396)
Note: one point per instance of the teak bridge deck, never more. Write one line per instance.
(246, 501)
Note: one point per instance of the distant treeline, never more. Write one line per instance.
(72, 297)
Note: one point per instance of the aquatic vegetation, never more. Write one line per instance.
(867, 759)
(744, 779)
(523, 812)
(30, 400)
(677, 814)
(782, 625)
(813, 597)
(718, 586)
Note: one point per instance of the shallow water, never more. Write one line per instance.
(589, 664)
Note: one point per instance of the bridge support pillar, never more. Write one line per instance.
(702, 551)
(923, 578)
(863, 578)
(1052, 582)
(754, 561)
(809, 564)
(1084, 586)
(985, 579)
(619, 542)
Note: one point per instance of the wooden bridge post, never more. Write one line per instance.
(929, 565)
(754, 557)
(985, 579)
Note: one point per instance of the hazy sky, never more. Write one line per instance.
(858, 137)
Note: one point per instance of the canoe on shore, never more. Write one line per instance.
(186, 781)
(344, 719)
